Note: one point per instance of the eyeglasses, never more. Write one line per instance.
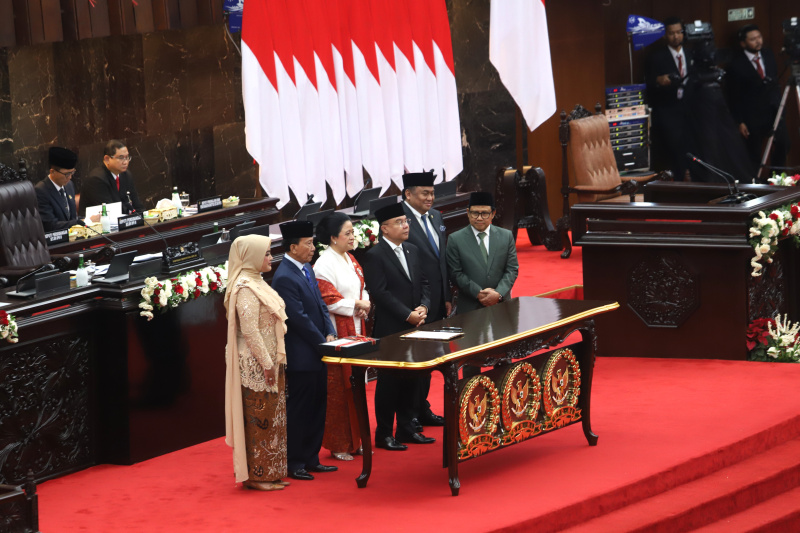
(66, 174)
(399, 223)
(123, 158)
(479, 214)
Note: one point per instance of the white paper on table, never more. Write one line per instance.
(114, 212)
(432, 335)
(339, 342)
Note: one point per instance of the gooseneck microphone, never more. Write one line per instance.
(114, 246)
(44, 268)
(166, 244)
(735, 196)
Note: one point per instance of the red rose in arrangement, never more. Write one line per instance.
(773, 216)
(179, 289)
(199, 281)
(372, 238)
(3, 318)
(757, 332)
(212, 286)
(795, 210)
(197, 293)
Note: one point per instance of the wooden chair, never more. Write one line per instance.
(586, 141)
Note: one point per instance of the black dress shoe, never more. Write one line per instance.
(323, 468)
(415, 438)
(301, 474)
(430, 419)
(415, 423)
(388, 443)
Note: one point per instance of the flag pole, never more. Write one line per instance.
(520, 140)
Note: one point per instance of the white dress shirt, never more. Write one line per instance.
(419, 216)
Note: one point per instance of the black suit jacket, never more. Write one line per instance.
(100, 187)
(394, 294)
(754, 101)
(51, 206)
(659, 63)
(308, 321)
(434, 268)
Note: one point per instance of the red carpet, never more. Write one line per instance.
(661, 423)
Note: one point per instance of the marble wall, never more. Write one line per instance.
(174, 97)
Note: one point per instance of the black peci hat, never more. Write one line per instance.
(389, 212)
(297, 229)
(481, 198)
(418, 179)
(61, 157)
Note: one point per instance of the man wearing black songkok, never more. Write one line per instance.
(56, 194)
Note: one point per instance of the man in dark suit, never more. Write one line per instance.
(668, 80)
(427, 233)
(111, 182)
(307, 327)
(482, 257)
(401, 294)
(755, 96)
(56, 193)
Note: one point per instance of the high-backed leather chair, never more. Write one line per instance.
(23, 247)
(586, 142)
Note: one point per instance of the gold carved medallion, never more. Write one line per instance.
(561, 389)
(522, 395)
(478, 417)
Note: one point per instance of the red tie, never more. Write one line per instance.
(680, 65)
(758, 66)
(117, 183)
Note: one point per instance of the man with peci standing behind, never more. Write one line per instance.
(401, 295)
(308, 325)
(427, 233)
(482, 257)
(111, 182)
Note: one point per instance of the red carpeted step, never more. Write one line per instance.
(780, 514)
(708, 499)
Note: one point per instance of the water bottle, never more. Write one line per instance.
(105, 221)
(216, 227)
(176, 198)
(224, 236)
(82, 276)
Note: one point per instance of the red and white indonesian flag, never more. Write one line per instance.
(519, 48)
(336, 88)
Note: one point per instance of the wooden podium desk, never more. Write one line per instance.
(516, 396)
(680, 269)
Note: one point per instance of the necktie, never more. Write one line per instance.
(399, 253)
(680, 64)
(117, 182)
(308, 277)
(430, 235)
(759, 68)
(66, 203)
(481, 236)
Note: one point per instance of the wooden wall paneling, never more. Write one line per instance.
(725, 33)
(143, 12)
(577, 51)
(617, 59)
(166, 14)
(101, 25)
(216, 11)
(51, 21)
(189, 15)
(76, 20)
(121, 18)
(209, 11)
(28, 21)
(8, 34)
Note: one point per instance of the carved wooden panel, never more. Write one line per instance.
(44, 408)
(767, 294)
(662, 291)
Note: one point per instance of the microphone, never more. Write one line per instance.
(44, 268)
(735, 196)
(166, 244)
(130, 202)
(114, 246)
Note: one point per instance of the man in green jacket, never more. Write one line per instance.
(482, 258)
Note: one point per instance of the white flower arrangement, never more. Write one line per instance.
(766, 230)
(784, 180)
(8, 327)
(172, 292)
(365, 231)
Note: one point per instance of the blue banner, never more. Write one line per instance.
(644, 31)
(234, 10)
